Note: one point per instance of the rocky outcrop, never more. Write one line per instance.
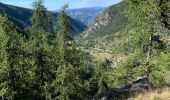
(139, 86)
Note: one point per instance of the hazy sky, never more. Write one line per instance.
(56, 4)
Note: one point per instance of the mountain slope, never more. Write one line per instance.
(112, 35)
(102, 36)
(21, 17)
(105, 28)
(85, 15)
(111, 20)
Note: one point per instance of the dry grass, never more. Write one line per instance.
(102, 56)
(167, 78)
(154, 95)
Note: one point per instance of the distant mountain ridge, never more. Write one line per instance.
(85, 15)
(21, 14)
(21, 17)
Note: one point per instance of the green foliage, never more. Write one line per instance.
(69, 83)
(118, 20)
(11, 65)
(110, 21)
(36, 68)
(40, 18)
(63, 30)
(97, 84)
(144, 44)
(100, 76)
(158, 67)
(41, 51)
(128, 70)
(63, 26)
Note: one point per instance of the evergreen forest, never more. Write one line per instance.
(125, 52)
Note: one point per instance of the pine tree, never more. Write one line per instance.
(41, 18)
(63, 27)
(149, 21)
(11, 70)
(62, 30)
(98, 82)
(68, 84)
(41, 50)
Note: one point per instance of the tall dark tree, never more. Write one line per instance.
(11, 70)
(63, 31)
(41, 18)
(68, 84)
(149, 21)
(41, 49)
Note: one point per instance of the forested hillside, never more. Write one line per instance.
(111, 20)
(101, 37)
(21, 17)
(124, 55)
(134, 37)
(105, 27)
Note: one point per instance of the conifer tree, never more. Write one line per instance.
(41, 18)
(68, 84)
(98, 82)
(11, 70)
(63, 29)
(149, 21)
(41, 49)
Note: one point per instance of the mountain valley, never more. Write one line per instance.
(120, 52)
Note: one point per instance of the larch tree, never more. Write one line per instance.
(11, 68)
(150, 22)
(41, 18)
(39, 34)
(62, 30)
(68, 84)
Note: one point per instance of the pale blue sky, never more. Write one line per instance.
(56, 4)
